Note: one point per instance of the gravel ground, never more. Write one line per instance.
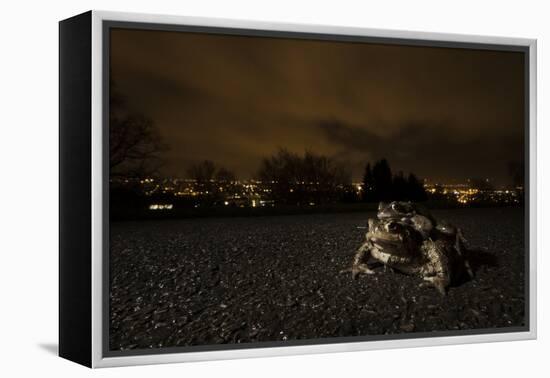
(238, 280)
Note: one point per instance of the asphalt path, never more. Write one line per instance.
(258, 279)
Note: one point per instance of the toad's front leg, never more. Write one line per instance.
(437, 270)
(359, 261)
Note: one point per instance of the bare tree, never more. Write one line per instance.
(224, 175)
(303, 179)
(135, 144)
(202, 172)
(213, 182)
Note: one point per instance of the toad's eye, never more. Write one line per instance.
(394, 206)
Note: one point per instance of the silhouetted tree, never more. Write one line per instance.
(224, 175)
(368, 185)
(135, 144)
(401, 188)
(415, 189)
(294, 179)
(214, 183)
(278, 171)
(382, 176)
(202, 172)
(380, 185)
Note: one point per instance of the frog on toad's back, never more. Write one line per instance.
(407, 238)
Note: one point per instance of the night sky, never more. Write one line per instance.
(444, 114)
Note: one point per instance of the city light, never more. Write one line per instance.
(465, 194)
(167, 193)
(158, 206)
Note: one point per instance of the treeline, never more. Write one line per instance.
(206, 171)
(294, 179)
(379, 184)
(285, 179)
(305, 179)
(291, 179)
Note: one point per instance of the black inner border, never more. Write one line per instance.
(107, 26)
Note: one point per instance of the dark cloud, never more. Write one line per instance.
(447, 114)
(428, 149)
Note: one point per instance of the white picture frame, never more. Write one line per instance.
(99, 357)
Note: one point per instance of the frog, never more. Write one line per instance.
(407, 238)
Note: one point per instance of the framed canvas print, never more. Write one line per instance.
(235, 189)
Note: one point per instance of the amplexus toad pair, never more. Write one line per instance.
(406, 237)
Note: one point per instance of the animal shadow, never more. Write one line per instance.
(479, 258)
